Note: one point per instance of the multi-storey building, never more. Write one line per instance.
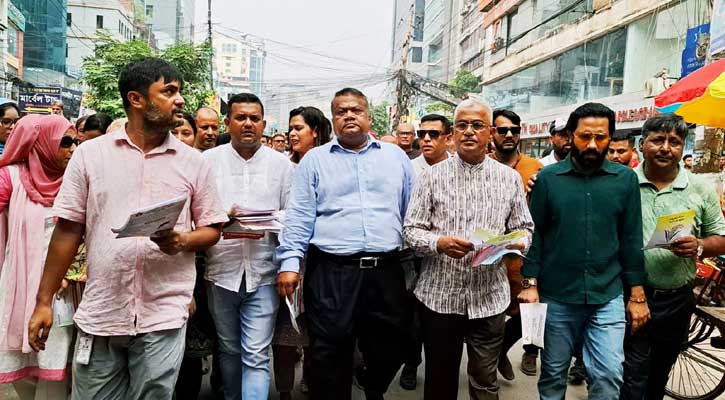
(440, 32)
(44, 42)
(172, 21)
(238, 64)
(409, 20)
(543, 58)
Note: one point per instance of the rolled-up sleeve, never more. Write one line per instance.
(72, 200)
(418, 220)
(631, 256)
(206, 205)
(299, 218)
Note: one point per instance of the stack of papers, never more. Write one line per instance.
(146, 221)
(490, 248)
(251, 223)
(670, 228)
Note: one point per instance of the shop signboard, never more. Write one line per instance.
(38, 100)
(695, 52)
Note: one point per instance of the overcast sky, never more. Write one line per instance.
(356, 32)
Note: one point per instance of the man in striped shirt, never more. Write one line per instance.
(453, 199)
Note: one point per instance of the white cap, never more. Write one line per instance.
(557, 126)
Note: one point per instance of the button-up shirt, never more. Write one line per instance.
(262, 182)
(346, 202)
(132, 286)
(687, 192)
(588, 238)
(454, 198)
(548, 160)
(420, 164)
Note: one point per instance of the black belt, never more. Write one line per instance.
(362, 260)
(666, 293)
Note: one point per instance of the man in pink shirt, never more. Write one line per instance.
(136, 299)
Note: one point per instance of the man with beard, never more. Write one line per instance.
(405, 135)
(667, 189)
(136, 301)
(507, 138)
(560, 142)
(345, 217)
(585, 257)
(207, 128)
(621, 148)
(241, 272)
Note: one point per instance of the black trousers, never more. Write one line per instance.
(345, 303)
(512, 334)
(443, 337)
(651, 352)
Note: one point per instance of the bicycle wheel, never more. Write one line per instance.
(699, 373)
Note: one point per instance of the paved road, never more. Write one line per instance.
(522, 388)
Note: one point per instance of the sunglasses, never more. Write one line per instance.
(66, 142)
(434, 134)
(504, 130)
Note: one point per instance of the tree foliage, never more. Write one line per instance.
(464, 82)
(101, 70)
(441, 108)
(381, 118)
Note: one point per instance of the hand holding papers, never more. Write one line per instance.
(533, 322)
(670, 228)
(146, 221)
(294, 311)
(251, 223)
(490, 248)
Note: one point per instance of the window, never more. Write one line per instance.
(416, 54)
(12, 40)
(99, 21)
(68, 19)
(149, 12)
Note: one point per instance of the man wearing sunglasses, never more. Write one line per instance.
(433, 137)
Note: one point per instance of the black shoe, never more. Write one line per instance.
(577, 372)
(409, 378)
(528, 363)
(505, 367)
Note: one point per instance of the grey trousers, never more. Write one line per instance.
(131, 367)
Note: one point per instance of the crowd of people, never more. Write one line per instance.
(375, 251)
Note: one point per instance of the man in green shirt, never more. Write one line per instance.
(586, 254)
(665, 189)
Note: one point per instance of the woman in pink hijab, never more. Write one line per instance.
(31, 171)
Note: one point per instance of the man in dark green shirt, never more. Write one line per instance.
(666, 189)
(586, 254)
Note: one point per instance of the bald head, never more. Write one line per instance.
(389, 139)
(477, 106)
(405, 134)
(207, 126)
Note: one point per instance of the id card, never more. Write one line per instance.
(63, 311)
(85, 346)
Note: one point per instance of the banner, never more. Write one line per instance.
(696, 44)
(717, 28)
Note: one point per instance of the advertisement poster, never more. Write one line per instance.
(696, 45)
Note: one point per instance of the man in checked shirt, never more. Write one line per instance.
(461, 302)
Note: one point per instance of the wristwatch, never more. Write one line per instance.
(528, 282)
(700, 249)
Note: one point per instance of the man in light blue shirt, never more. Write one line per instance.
(344, 216)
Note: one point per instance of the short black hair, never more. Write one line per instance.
(687, 156)
(316, 120)
(244, 98)
(665, 123)
(5, 106)
(79, 121)
(98, 122)
(623, 135)
(348, 91)
(279, 134)
(437, 117)
(190, 119)
(587, 110)
(139, 75)
(512, 116)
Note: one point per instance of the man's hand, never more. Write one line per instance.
(287, 283)
(530, 295)
(170, 241)
(685, 247)
(63, 286)
(530, 184)
(192, 307)
(454, 247)
(39, 326)
(637, 314)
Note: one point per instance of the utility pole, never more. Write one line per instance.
(211, 61)
(402, 92)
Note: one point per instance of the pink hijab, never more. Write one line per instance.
(32, 145)
(32, 148)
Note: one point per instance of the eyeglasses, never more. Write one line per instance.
(434, 134)
(477, 126)
(8, 121)
(67, 142)
(405, 133)
(504, 130)
(588, 137)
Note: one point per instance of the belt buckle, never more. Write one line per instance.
(368, 262)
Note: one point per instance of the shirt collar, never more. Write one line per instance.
(473, 167)
(566, 166)
(169, 144)
(681, 180)
(335, 144)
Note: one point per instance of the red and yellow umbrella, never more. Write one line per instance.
(699, 98)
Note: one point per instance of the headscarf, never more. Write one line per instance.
(33, 144)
